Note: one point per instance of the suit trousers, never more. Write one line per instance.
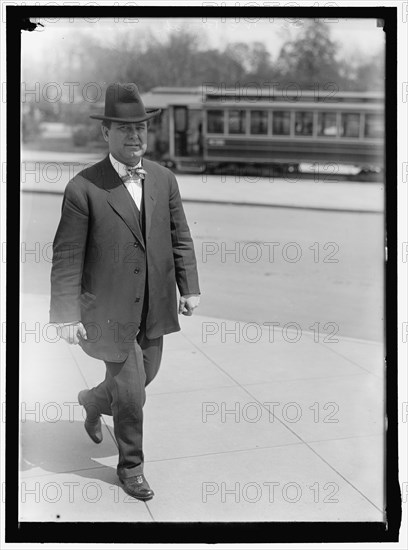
(122, 394)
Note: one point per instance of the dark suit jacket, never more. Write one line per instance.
(101, 261)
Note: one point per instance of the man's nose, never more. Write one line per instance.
(133, 131)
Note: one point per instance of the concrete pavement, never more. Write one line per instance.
(49, 172)
(241, 424)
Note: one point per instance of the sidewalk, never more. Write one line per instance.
(49, 172)
(214, 451)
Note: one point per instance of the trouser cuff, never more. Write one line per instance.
(124, 473)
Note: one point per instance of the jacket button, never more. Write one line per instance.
(135, 245)
(136, 271)
(137, 299)
(109, 321)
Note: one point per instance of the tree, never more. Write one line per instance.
(310, 58)
(252, 59)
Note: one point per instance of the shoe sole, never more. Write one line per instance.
(90, 437)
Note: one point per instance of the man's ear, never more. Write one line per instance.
(105, 132)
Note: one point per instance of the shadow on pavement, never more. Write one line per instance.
(64, 447)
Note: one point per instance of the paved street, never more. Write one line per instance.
(260, 264)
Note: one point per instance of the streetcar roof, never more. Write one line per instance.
(163, 96)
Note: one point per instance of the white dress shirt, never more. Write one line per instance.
(134, 186)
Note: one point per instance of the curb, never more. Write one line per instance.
(240, 203)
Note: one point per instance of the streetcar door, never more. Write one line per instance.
(188, 128)
(180, 131)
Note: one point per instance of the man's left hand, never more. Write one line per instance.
(188, 303)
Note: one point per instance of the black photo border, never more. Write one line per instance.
(200, 532)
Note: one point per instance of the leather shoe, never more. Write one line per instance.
(93, 426)
(137, 487)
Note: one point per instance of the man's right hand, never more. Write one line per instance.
(71, 332)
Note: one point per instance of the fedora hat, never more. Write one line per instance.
(124, 104)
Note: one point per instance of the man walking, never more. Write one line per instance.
(122, 246)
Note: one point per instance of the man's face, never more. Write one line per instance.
(127, 141)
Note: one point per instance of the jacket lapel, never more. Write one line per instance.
(120, 200)
(150, 197)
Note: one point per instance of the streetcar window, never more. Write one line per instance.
(350, 125)
(259, 122)
(215, 122)
(327, 124)
(281, 123)
(374, 126)
(236, 122)
(303, 123)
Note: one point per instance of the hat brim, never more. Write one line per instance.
(149, 114)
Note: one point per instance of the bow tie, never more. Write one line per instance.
(134, 173)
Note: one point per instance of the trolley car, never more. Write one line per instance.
(205, 129)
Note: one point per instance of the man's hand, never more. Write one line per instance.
(70, 332)
(188, 303)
